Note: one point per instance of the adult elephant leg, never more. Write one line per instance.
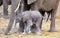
(13, 7)
(5, 7)
(52, 26)
(43, 13)
(21, 27)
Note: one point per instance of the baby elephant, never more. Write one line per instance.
(29, 18)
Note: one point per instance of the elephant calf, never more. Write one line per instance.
(29, 18)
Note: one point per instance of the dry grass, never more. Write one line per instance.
(44, 34)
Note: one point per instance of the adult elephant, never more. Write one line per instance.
(5, 6)
(46, 6)
(14, 4)
(41, 5)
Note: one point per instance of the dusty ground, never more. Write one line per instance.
(45, 34)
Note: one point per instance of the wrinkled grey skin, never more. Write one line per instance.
(29, 18)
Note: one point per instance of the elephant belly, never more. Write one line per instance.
(45, 4)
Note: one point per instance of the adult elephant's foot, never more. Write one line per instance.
(52, 27)
(52, 30)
